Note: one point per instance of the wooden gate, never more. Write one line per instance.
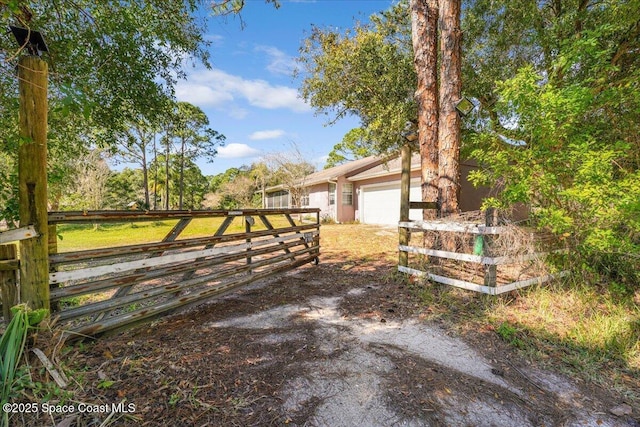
(97, 290)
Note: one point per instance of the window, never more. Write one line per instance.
(304, 198)
(279, 199)
(347, 194)
(332, 194)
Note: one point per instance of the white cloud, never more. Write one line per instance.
(260, 93)
(214, 39)
(266, 134)
(236, 151)
(238, 113)
(218, 88)
(202, 95)
(280, 62)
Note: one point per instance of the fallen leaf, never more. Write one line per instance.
(621, 410)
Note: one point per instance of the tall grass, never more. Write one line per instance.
(12, 345)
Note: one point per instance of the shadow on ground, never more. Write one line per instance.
(338, 344)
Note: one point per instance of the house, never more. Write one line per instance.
(368, 190)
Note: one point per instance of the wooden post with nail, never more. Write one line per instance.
(32, 181)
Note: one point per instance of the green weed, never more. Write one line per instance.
(12, 344)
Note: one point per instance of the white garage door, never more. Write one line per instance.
(380, 204)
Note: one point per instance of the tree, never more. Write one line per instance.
(366, 72)
(560, 131)
(195, 184)
(95, 44)
(194, 138)
(238, 193)
(161, 181)
(372, 71)
(449, 120)
(424, 30)
(109, 60)
(228, 7)
(89, 188)
(261, 176)
(290, 170)
(353, 146)
(124, 188)
(133, 147)
(221, 185)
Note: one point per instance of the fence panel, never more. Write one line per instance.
(96, 290)
(482, 257)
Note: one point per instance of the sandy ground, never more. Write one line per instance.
(353, 387)
(338, 344)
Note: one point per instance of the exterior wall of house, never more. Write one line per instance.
(319, 198)
(378, 180)
(470, 197)
(345, 212)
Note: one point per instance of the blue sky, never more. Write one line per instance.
(250, 95)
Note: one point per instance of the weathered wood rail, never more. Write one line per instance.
(486, 260)
(97, 290)
(9, 266)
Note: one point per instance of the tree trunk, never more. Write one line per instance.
(181, 189)
(424, 26)
(155, 174)
(145, 178)
(166, 179)
(450, 93)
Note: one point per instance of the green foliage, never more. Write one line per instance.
(123, 188)
(109, 61)
(189, 128)
(12, 345)
(563, 136)
(195, 184)
(367, 72)
(240, 187)
(228, 7)
(95, 44)
(8, 187)
(353, 146)
(190, 132)
(509, 334)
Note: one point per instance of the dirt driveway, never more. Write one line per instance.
(338, 344)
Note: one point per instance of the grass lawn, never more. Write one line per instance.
(76, 237)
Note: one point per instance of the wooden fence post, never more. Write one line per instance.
(405, 189)
(490, 271)
(32, 181)
(8, 282)
(53, 249)
(248, 222)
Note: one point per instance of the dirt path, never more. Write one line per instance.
(331, 345)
